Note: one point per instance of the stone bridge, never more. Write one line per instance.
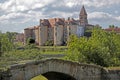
(51, 68)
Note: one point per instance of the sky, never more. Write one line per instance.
(15, 15)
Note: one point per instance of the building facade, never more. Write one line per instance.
(19, 37)
(57, 30)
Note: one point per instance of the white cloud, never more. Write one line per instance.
(103, 18)
(30, 11)
(99, 15)
(35, 16)
(13, 15)
(95, 3)
(70, 4)
(64, 14)
(18, 17)
(100, 3)
(8, 5)
(61, 14)
(38, 5)
(22, 5)
(117, 18)
(89, 3)
(15, 18)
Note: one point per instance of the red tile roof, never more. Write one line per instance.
(113, 29)
(51, 22)
(32, 28)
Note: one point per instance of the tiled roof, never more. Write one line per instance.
(52, 22)
(32, 28)
(113, 29)
(72, 21)
(60, 21)
(29, 28)
(83, 11)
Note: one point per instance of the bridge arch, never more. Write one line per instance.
(57, 76)
(75, 70)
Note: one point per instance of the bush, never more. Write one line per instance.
(30, 41)
(49, 43)
(19, 55)
(102, 48)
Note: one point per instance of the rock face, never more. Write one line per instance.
(73, 69)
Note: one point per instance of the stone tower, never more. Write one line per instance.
(83, 17)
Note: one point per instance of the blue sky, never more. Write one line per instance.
(15, 15)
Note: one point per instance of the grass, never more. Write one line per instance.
(57, 47)
(23, 56)
(114, 68)
(40, 77)
(53, 52)
(52, 49)
(19, 56)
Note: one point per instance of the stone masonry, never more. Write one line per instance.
(76, 70)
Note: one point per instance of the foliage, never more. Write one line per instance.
(6, 41)
(16, 56)
(30, 46)
(18, 44)
(30, 41)
(88, 33)
(49, 43)
(57, 47)
(39, 77)
(111, 26)
(22, 54)
(102, 48)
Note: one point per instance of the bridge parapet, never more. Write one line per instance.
(77, 70)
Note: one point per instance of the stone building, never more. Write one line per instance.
(57, 30)
(114, 29)
(19, 37)
(83, 17)
(29, 33)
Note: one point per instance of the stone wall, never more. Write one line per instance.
(43, 35)
(76, 70)
(111, 75)
(37, 35)
(58, 35)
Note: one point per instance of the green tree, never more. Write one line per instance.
(6, 42)
(111, 26)
(102, 48)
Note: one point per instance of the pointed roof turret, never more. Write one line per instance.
(83, 11)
